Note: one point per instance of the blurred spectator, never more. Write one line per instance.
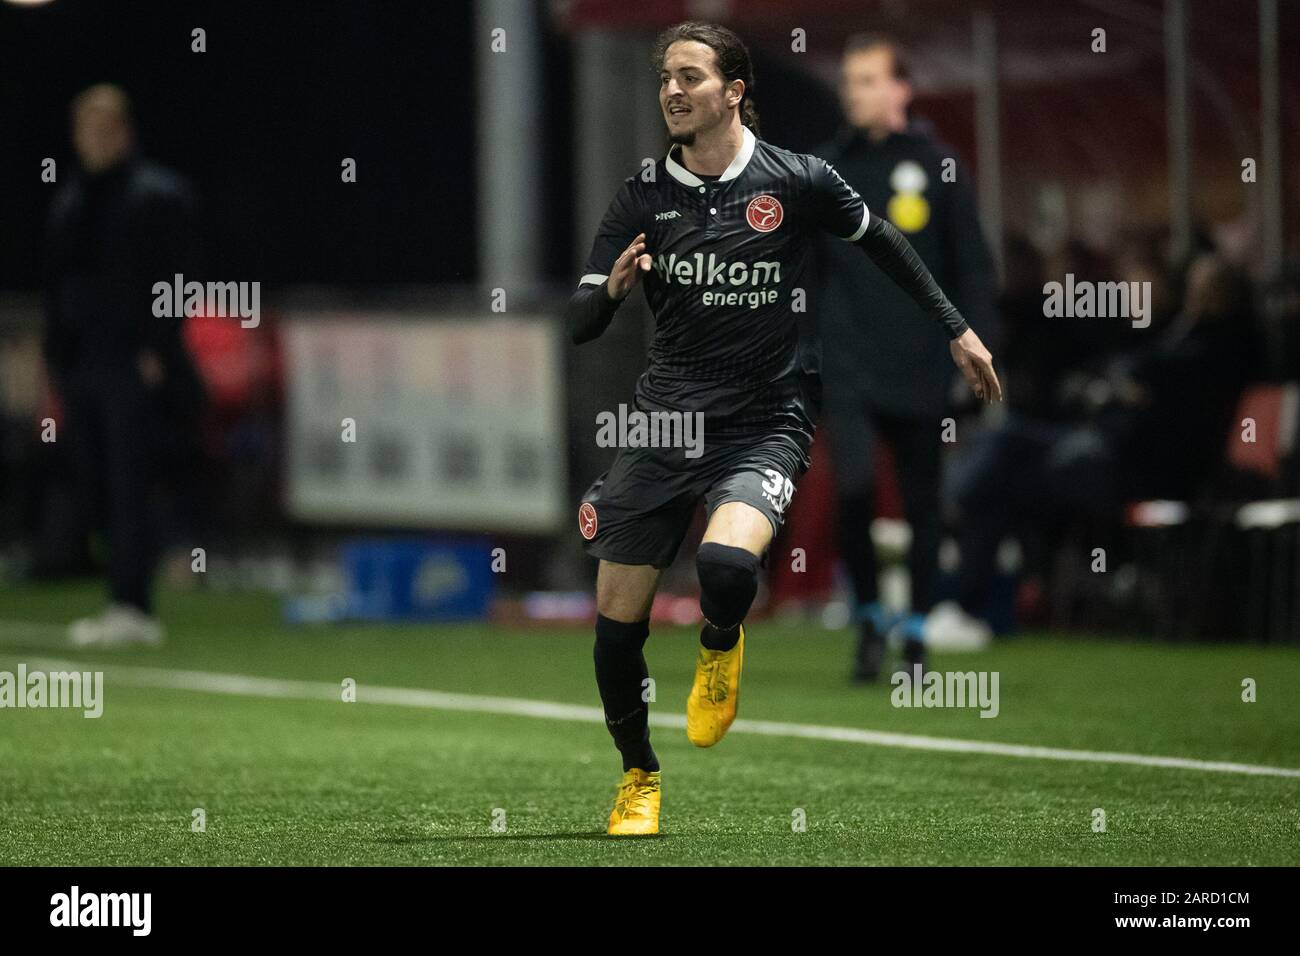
(1040, 356)
(1034, 354)
(1156, 425)
(886, 368)
(130, 393)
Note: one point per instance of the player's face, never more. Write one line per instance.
(693, 94)
(870, 93)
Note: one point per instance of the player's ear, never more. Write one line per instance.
(735, 92)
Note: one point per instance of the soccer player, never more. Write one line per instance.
(722, 237)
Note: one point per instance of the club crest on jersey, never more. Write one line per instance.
(587, 520)
(764, 213)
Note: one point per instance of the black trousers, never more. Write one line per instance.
(116, 429)
(855, 429)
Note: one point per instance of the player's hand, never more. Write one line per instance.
(976, 365)
(627, 270)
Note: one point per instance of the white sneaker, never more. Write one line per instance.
(949, 628)
(119, 626)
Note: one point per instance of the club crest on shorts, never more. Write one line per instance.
(764, 213)
(587, 520)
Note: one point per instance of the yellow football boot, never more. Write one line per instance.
(636, 808)
(712, 705)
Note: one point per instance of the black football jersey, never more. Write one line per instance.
(733, 259)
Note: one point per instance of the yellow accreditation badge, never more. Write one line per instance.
(908, 208)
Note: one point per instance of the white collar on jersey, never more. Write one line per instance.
(686, 177)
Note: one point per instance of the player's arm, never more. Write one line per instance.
(591, 308)
(842, 211)
(613, 268)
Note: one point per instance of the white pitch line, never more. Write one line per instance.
(243, 685)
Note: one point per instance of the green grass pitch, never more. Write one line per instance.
(293, 780)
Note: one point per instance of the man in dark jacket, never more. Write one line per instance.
(126, 382)
(882, 370)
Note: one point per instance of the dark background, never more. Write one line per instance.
(261, 123)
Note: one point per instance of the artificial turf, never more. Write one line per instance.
(323, 781)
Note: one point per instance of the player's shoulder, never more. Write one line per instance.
(831, 150)
(642, 186)
(804, 168)
(779, 156)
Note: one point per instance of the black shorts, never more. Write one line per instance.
(639, 511)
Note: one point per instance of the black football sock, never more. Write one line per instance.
(720, 638)
(620, 674)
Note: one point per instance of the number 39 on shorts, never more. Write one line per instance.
(778, 489)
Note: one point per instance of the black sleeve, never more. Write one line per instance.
(589, 312)
(621, 224)
(836, 206)
(590, 308)
(896, 258)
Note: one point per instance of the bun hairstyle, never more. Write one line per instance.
(732, 59)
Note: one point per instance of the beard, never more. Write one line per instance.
(686, 138)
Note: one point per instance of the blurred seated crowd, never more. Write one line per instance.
(1102, 414)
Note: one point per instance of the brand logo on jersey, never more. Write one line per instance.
(764, 213)
(699, 269)
(661, 216)
(587, 520)
(743, 283)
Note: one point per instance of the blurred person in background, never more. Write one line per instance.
(1155, 423)
(1042, 357)
(882, 369)
(128, 388)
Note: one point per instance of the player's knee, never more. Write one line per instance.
(728, 583)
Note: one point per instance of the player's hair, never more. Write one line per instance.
(728, 49)
(862, 42)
